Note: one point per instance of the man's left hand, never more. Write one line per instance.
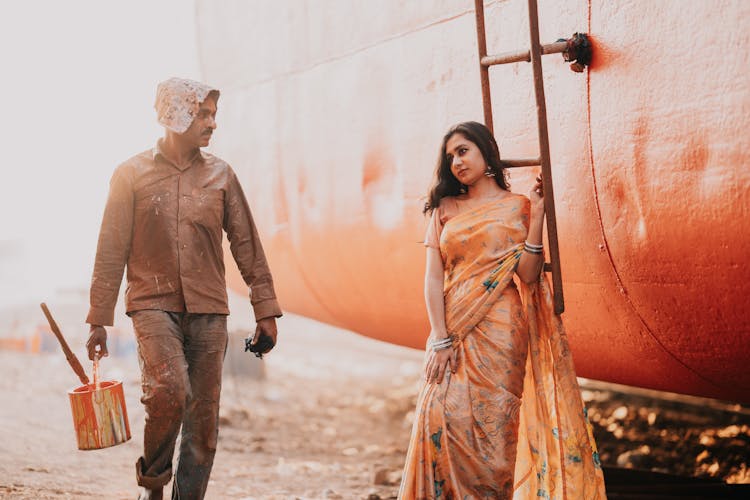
(266, 326)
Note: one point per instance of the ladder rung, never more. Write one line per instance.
(525, 162)
(524, 55)
(547, 267)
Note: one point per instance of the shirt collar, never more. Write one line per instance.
(157, 152)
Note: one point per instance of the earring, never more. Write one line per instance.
(489, 172)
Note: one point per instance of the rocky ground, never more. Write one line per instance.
(667, 433)
(327, 415)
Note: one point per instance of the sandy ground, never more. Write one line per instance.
(326, 415)
(319, 418)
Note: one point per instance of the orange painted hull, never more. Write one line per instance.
(332, 114)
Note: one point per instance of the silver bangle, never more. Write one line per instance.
(439, 345)
(442, 348)
(537, 250)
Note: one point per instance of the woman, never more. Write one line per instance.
(500, 414)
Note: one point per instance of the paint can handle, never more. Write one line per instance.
(97, 384)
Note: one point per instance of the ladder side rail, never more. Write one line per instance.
(549, 200)
(484, 75)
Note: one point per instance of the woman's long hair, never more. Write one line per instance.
(445, 183)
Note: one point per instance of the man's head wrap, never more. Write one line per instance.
(178, 101)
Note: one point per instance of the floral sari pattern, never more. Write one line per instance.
(510, 422)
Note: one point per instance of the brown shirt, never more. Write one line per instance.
(166, 225)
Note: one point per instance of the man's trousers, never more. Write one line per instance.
(181, 357)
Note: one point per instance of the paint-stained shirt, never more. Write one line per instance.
(165, 224)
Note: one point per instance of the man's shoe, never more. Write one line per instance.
(148, 494)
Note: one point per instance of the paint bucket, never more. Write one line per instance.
(100, 417)
(99, 414)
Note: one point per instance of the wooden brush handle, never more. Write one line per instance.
(72, 359)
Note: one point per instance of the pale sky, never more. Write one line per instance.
(78, 84)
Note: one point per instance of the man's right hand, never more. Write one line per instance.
(97, 337)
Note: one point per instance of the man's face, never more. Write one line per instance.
(204, 123)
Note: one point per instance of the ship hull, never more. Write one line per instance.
(332, 113)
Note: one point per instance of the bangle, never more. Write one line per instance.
(442, 344)
(531, 248)
(439, 345)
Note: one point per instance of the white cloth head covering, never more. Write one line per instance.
(178, 101)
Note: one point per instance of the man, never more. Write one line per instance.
(164, 219)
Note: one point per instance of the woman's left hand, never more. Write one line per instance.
(536, 195)
(438, 363)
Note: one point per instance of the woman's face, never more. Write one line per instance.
(467, 162)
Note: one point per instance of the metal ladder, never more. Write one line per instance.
(576, 48)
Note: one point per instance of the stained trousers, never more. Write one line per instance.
(181, 357)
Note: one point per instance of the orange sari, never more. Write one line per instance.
(510, 422)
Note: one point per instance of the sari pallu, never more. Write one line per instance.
(509, 423)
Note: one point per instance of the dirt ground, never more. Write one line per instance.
(321, 417)
(327, 415)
